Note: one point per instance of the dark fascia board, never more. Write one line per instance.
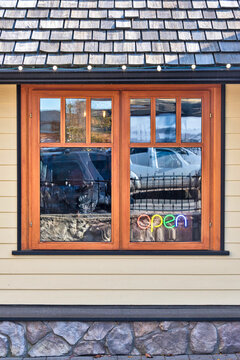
(119, 313)
(71, 76)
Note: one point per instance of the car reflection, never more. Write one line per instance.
(75, 180)
(165, 173)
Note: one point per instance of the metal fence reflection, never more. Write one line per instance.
(78, 197)
(166, 192)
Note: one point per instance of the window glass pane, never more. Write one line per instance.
(75, 194)
(101, 122)
(165, 194)
(75, 120)
(50, 120)
(191, 123)
(165, 120)
(140, 124)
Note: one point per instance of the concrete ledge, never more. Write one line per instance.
(119, 313)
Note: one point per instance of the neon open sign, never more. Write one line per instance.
(168, 221)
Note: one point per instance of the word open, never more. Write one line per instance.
(169, 221)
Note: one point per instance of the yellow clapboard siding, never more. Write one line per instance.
(8, 204)
(232, 203)
(124, 272)
(8, 141)
(119, 282)
(233, 125)
(232, 188)
(232, 219)
(234, 249)
(8, 125)
(232, 234)
(232, 157)
(222, 265)
(8, 220)
(232, 141)
(232, 172)
(8, 172)
(8, 235)
(232, 100)
(8, 101)
(8, 188)
(137, 297)
(8, 157)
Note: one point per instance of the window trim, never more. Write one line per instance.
(125, 169)
(31, 226)
(26, 109)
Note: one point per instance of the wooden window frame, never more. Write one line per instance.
(211, 175)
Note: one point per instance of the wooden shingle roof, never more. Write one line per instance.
(110, 33)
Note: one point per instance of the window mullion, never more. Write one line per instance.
(178, 120)
(63, 119)
(88, 121)
(153, 122)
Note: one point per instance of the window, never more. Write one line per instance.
(121, 168)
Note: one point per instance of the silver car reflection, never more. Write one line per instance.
(165, 167)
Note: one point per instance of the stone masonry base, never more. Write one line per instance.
(113, 340)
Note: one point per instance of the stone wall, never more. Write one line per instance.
(36, 339)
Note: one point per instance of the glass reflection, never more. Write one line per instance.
(75, 120)
(165, 120)
(140, 122)
(165, 194)
(191, 122)
(75, 194)
(101, 122)
(50, 120)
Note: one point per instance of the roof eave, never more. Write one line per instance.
(140, 76)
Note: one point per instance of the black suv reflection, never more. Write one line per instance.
(75, 180)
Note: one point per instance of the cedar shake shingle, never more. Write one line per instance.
(136, 59)
(6, 46)
(115, 59)
(154, 59)
(35, 59)
(59, 59)
(117, 32)
(15, 35)
(8, 3)
(80, 59)
(26, 47)
(15, 14)
(106, 4)
(6, 24)
(124, 46)
(48, 47)
(96, 59)
(186, 59)
(12, 59)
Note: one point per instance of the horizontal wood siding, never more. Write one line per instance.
(157, 280)
(8, 167)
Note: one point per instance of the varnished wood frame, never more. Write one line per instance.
(32, 226)
(205, 145)
(212, 205)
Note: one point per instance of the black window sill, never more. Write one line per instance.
(122, 252)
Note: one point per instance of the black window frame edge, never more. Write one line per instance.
(221, 252)
(126, 313)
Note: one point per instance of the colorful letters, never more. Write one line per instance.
(169, 221)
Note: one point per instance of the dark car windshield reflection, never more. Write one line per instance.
(75, 180)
